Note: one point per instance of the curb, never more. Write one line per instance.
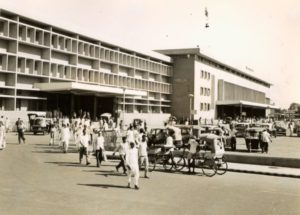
(264, 173)
(263, 160)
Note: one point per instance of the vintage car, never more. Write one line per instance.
(281, 128)
(253, 138)
(157, 136)
(241, 129)
(269, 126)
(228, 140)
(40, 125)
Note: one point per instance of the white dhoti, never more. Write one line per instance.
(135, 174)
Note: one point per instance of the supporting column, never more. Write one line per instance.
(241, 109)
(95, 105)
(72, 104)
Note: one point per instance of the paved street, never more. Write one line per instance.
(281, 146)
(39, 179)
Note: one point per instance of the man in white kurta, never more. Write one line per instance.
(132, 164)
(2, 136)
(65, 137)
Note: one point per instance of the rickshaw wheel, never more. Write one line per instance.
(180, 163)
(209, 167)
(222, 165)
(168, 164)
(152, 163)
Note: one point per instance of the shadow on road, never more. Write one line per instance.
(105, 186)
(59, 151)
(113, 174)
(72, 164)
(48, 151)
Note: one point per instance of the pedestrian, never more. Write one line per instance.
(20, 129)
(52, 132)
(2, 136)
(122, 148)
(193, 150)
(266, 139)
(84, 144)
(99, 148)
(143, 155)
(133, 165)
(7, 124)
(291, 128)
(65, 137)
(131, 134)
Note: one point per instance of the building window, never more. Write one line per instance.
(201, 106)
(205, 75)
(208, 107)
(208, 92)
(202, 73)
(201, 91)
(208, 77)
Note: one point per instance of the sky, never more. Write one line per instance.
(263, 35)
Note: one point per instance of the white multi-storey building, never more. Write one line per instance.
(44, 68)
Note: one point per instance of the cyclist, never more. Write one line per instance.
(193, 150)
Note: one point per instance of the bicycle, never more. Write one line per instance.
(201, 160)
(181, 159)
(222, 165)
(162, 157)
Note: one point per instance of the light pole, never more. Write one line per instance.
(124, 104)
(191, 96)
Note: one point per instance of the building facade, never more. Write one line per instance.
(44, 68)
(204, 88)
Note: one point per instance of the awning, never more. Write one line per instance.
(80, 88)
(246, 104)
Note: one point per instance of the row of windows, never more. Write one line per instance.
(204, 106)
(204, 91)
(205, 75)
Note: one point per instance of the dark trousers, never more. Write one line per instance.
(83, 151)
(191, 164)
(264, 147)
(122, 163)
(21, 136)
(99, 157)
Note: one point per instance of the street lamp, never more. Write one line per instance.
(191, 96)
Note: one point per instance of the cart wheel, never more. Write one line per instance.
(168, 163)
(209, 167)
(180, 163)
(152, 163)
(222, 166)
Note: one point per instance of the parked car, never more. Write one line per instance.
(228, 140)
(281, 128)
(241, 129)
(253, 138)
(187, 131)
(40, 125)
(297, 127)
(269, 126)
(157, 136)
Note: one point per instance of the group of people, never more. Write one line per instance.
(131, 143)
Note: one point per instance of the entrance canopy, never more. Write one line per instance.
(238, 103)
(80, 88)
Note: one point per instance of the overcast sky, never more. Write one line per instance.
(263, 35)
